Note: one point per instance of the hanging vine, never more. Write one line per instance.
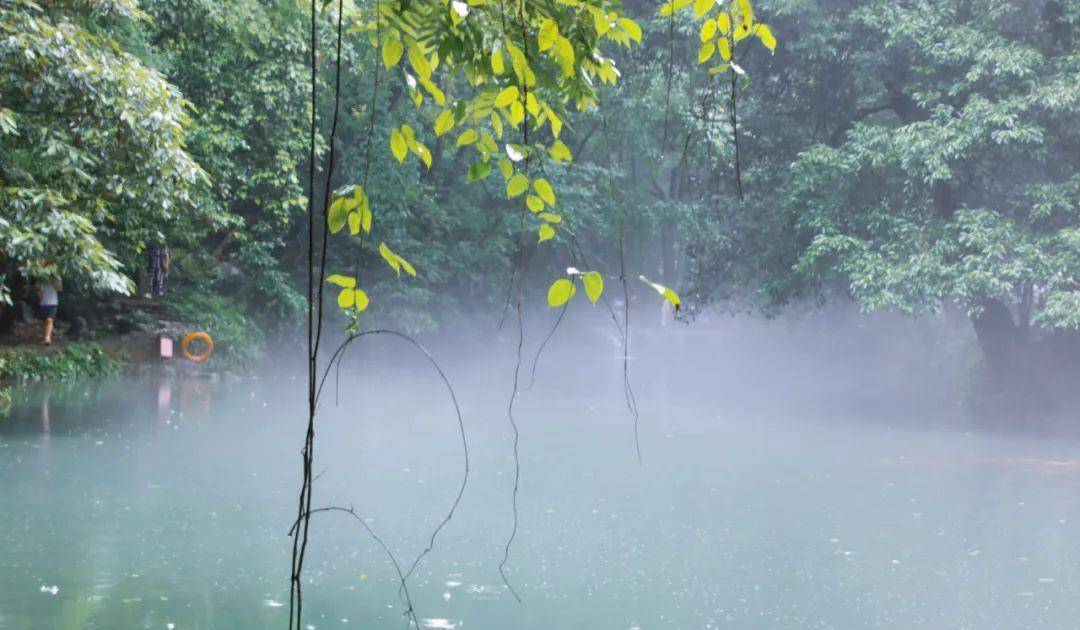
(532, 81)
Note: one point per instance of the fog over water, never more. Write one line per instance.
(815, 471)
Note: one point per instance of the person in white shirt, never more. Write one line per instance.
(48, 303)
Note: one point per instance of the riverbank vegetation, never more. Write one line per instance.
(907, 158)
(75, 360)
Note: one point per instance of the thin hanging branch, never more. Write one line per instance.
(735, 134)
(628, 390)
(315, 310)
(410, 612)
(524, 96)
(338, 357)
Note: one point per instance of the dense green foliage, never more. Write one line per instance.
(907, 156)
(93, 163)
(914, 157)
(76, 360)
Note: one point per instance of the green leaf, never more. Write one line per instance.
(546, 233)
(498, 66)
(399, 145)
(594, 285)
(354, 223)
(346, 282)
(467, 137)
(444, 122)
(507, 96)
(560, 292)
(392, 50)
(543, 188)
(479, 171)
(517, 185)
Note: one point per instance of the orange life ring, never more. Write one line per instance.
(205, 354)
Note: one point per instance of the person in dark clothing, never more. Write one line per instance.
(158, 268)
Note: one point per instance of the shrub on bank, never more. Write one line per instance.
(75, 360)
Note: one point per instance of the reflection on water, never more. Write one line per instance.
(164, 503)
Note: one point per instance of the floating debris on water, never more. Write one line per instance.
(442, 624)
(51, 590)
(269, 603)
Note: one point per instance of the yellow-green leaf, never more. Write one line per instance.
(545, 37)
(534, 203)
(507, 96)
(392, 50)
(433, 90)
(559, 292)
(517, 185)
(390, 257)
(444, 122)
(399, 145)
(746, 12)
(346, 298)
(668, 294)
(723, 22)
(360, 299)
(422, 152)
(549, 217)
(506, 167)
(546, 233)
(708, 30)
(594, 285)
(543, 188)
(517, 113)
(725, 48)
(706, 51)
(365, 218)
(498, 66)
(419, 62)
(766, 37)
(560, 152)
(467, 137)
(600, 20)
(354, 223)
(345, 282)
(701, 7)
(336, 215)
(631, 28)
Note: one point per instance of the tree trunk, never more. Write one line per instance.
(999, 339)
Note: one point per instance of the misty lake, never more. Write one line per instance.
(165, 503)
